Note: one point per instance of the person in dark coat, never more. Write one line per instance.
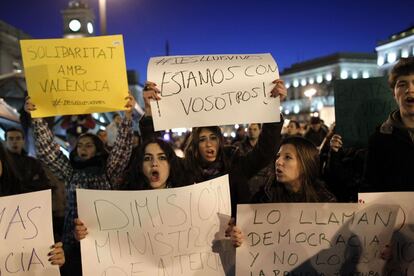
(316, 133)
(206, 156)
(296, 179)
(10, 184)
(33, 176)
(391, 148)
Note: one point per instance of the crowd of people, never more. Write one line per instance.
(264, 165)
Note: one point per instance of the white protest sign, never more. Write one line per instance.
(313, 238)
(27, 235)
(402, 243)
(177, 231)
(207, 90)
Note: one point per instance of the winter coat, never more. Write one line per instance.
(390, 157)
(88, 177)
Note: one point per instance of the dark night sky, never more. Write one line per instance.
(293, 31)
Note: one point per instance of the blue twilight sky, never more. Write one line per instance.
(293, 31)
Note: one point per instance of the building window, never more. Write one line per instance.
(295, 83)
(311, 80)
(303, 82)
(354, 75)
(380, 60)
(404, 53)
(391, 57)
(319, 79)
(344, 74)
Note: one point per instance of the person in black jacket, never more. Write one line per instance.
(296, 179)
(33, 176)
(391, 148)
(207, 157)
(10, 184)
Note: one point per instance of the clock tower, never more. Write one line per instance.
(78, 20)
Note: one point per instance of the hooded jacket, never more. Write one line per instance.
(390, 160)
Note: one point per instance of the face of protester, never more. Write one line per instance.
(86, 148)
(117, 119)
(156, 167)
(208, 145)
(404, 94)
(316, 127)
(288, 166)
(292, 129)
(254, 131)
(15, 141)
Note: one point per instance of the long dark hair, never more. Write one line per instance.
(101, 154)
(193, 160)
(136, 180)
(10, 182)
(309, 166)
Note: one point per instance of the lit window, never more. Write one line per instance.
(404, 53)
(296, 109)
(295, 83)
(344, 74)
(303, 82)
(365, 74)
(380, 60)
(328, 77)
(391, 57)
(319, 79)
(319, 106)
(354, 75)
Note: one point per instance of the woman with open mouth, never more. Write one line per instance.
(295, 179)
(154, 166)
(206, 157)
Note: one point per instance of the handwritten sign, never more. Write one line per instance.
(313, 238)
(26, 234)
(213, 90)
(178, 231)
(402, 244)
(75, 76)
(360, 106)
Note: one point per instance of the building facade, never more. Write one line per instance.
(310, 83)
(399, 45)
(10, 54)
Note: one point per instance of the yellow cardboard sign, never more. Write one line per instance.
(75, 76)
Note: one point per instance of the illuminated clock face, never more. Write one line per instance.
(74, 25)
(90, 27)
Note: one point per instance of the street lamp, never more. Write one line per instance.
(102, 16)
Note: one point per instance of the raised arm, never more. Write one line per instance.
(47, 150)
(121, 152)
(269, 138)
